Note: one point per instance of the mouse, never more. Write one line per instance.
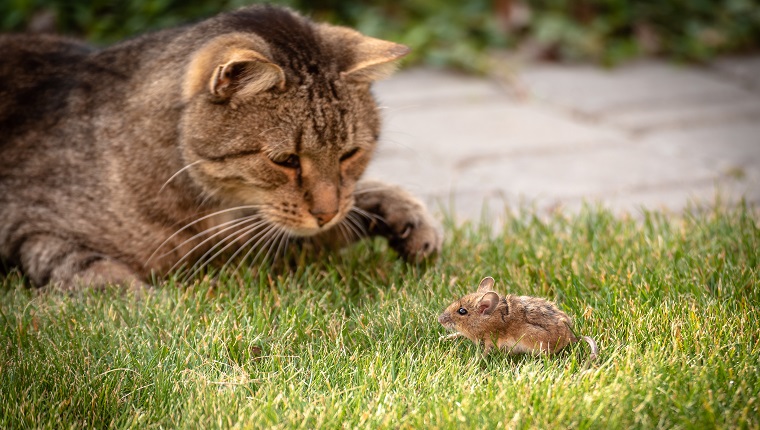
(516, 324)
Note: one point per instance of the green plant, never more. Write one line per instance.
(459, 34)
(613, 30)
(352, 340)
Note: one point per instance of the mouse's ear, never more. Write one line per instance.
(487, 303)
(486, 284)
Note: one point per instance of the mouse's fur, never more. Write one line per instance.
(517, 324)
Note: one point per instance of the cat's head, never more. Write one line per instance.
(279, 114)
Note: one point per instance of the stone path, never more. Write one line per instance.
(648, 135)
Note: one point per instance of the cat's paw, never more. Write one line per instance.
(403, 220)
(414, 234)
(104, 274)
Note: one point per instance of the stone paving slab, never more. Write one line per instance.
(463, 129)
(596, 91)
(744, 70)
(651, 135)
(595, 173)
(722, 148)
(687, 113)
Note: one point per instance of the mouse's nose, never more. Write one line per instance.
(444, 318)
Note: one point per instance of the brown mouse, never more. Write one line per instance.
(517, 324)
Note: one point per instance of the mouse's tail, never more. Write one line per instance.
(594, 349)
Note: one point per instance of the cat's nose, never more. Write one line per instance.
(323, 217)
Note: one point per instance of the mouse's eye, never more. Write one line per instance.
(462, 311)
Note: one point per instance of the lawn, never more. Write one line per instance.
(352, 340)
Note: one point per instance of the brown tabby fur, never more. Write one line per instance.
(134, 160)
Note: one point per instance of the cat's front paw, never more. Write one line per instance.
(415, 235)
(403, 220)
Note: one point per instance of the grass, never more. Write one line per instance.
(352, 340)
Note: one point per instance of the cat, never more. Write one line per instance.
(239, 135)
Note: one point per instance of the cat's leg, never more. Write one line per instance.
(392, 212)
(52, 260)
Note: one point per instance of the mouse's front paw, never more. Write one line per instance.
(450, 336)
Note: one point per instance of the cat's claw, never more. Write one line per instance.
(405, 222)
(416, 239)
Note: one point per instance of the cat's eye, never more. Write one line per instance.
(290, 161)
(462, 311)
(349, 154)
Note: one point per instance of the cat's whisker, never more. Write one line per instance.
(391, 109)
(281, 142)
(281, 232)
(350, 225)
(201, 262)
(274, 233)
(178, 172)
(342, 229)
(367, 190)
(256, 220)
(236, 222)
(276, 242)
(266, 229)
(284, 248)
(205, 260)
(359, 224)
(370, 216)
(270, 129)
(250, 250)
(392, 141)
(223, 211)
(261, 248)
(284, 241)
(368, 220)
(208, 195)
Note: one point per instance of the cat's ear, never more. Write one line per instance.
(232, 65)
(370, 59)
(245, 74)
(375, 59)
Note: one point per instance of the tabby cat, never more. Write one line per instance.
(226, 140)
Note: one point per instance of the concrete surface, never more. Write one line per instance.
(651, 135)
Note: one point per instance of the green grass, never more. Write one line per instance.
(352, 341)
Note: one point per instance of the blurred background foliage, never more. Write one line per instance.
(449, 33)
